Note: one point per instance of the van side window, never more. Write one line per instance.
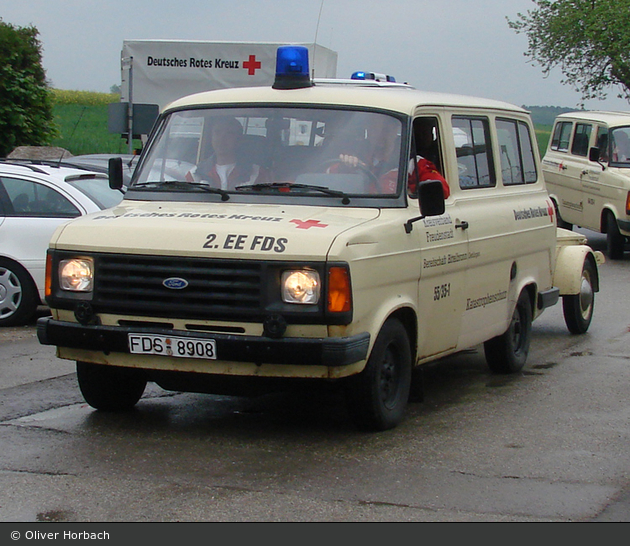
(581, 138)
(474, 152)
(517, 153)
(561, 136)
(427, 140)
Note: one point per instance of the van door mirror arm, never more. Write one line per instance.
(593, 155)
(409, 223)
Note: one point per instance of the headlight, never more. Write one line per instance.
(300, 286)
(76, 274)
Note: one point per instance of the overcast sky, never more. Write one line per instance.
(459, 46)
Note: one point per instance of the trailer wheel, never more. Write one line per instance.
(578, 308)
(109, 388)
(377, 397)
(507, 353)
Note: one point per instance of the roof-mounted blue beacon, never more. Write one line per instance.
(292, 71)
(372, 76)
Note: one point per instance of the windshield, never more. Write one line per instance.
(620, 147)
(293, 151)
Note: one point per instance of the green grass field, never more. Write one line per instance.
(81, 117)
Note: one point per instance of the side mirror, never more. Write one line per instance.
(593, 155)
(431, 198)
(115, 173)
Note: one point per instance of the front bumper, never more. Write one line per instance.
(231, 348)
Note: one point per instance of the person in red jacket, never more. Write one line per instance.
(381, 158)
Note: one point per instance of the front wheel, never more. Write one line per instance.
(615, 241)
(507, 353)
(377, 397)
(560, 222)
(578, 308)
(109, 388)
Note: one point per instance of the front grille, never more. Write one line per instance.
(133, 285)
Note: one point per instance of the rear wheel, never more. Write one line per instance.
(615, 241)
(377, 397)
(578, 308)
(18, 294)
(110, 388)
(507, 353)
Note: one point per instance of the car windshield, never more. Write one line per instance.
(620, 147)
(271, 150)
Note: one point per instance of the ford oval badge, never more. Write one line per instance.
(175, 283)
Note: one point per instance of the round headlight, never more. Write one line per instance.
(76, 275)
(300, 286)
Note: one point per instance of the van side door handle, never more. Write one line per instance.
(462, 225)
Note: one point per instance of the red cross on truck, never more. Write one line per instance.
(252, 65)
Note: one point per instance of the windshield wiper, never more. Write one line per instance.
(182, 184)
(292, 186)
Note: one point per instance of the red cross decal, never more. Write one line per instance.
(308, 224)
(252, 65)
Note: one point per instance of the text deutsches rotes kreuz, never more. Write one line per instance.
(192, 62)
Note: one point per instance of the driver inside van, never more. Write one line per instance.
(226, 168)
(380, 158)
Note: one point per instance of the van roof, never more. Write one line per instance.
(609, 118)
(402, 99)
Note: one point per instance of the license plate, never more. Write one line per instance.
(182, 347)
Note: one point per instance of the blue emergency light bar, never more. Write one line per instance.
(292, 70)
(372, 76)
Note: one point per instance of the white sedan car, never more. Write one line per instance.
(35, 198)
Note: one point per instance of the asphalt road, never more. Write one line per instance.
(548, 444)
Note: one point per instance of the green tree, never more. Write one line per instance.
(26, 116)
(589, 40)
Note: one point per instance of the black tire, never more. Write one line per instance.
(18, 294)
(578, 308)
(615, 241)
(507, 353)
(377, 397)
(110, 388)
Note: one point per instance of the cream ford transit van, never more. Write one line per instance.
(587, 171)
(299, 233)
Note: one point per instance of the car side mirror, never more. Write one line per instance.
(115, 173)
(593, 155)
(431, 199)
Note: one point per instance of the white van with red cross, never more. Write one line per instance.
(300, 234)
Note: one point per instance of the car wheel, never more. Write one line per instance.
(578, 308)
(18, 294)
(110, 388)
(615, 241)
(507, 353)
(377, 397)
